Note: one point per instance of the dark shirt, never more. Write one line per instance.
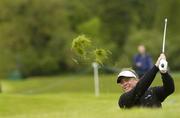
(145, 61)
(143, 96)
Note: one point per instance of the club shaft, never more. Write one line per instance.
(164, 36)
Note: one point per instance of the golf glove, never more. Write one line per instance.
(163, 66)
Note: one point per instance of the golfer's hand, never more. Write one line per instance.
(162, 56)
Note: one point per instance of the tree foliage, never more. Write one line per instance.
(36, 35)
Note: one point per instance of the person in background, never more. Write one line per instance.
(142, 62)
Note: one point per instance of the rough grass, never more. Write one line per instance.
(72, 97)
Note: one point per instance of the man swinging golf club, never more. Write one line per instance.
(138, 93)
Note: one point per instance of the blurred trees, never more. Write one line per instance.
(36, 35)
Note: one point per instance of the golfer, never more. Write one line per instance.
(138, 93)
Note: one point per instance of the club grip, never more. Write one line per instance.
(163, 66)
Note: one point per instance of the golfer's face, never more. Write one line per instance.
(128, 84)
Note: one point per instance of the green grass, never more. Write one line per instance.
(71, 96)
(60, 84)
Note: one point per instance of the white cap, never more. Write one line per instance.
(127, 73)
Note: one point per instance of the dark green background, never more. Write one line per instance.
(36, 35)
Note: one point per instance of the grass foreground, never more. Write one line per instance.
(73, 97)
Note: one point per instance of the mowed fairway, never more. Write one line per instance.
(71, 96)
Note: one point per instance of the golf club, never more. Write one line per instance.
(163, 62)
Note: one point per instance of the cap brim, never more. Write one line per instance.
(125, 74)
(122, 77)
